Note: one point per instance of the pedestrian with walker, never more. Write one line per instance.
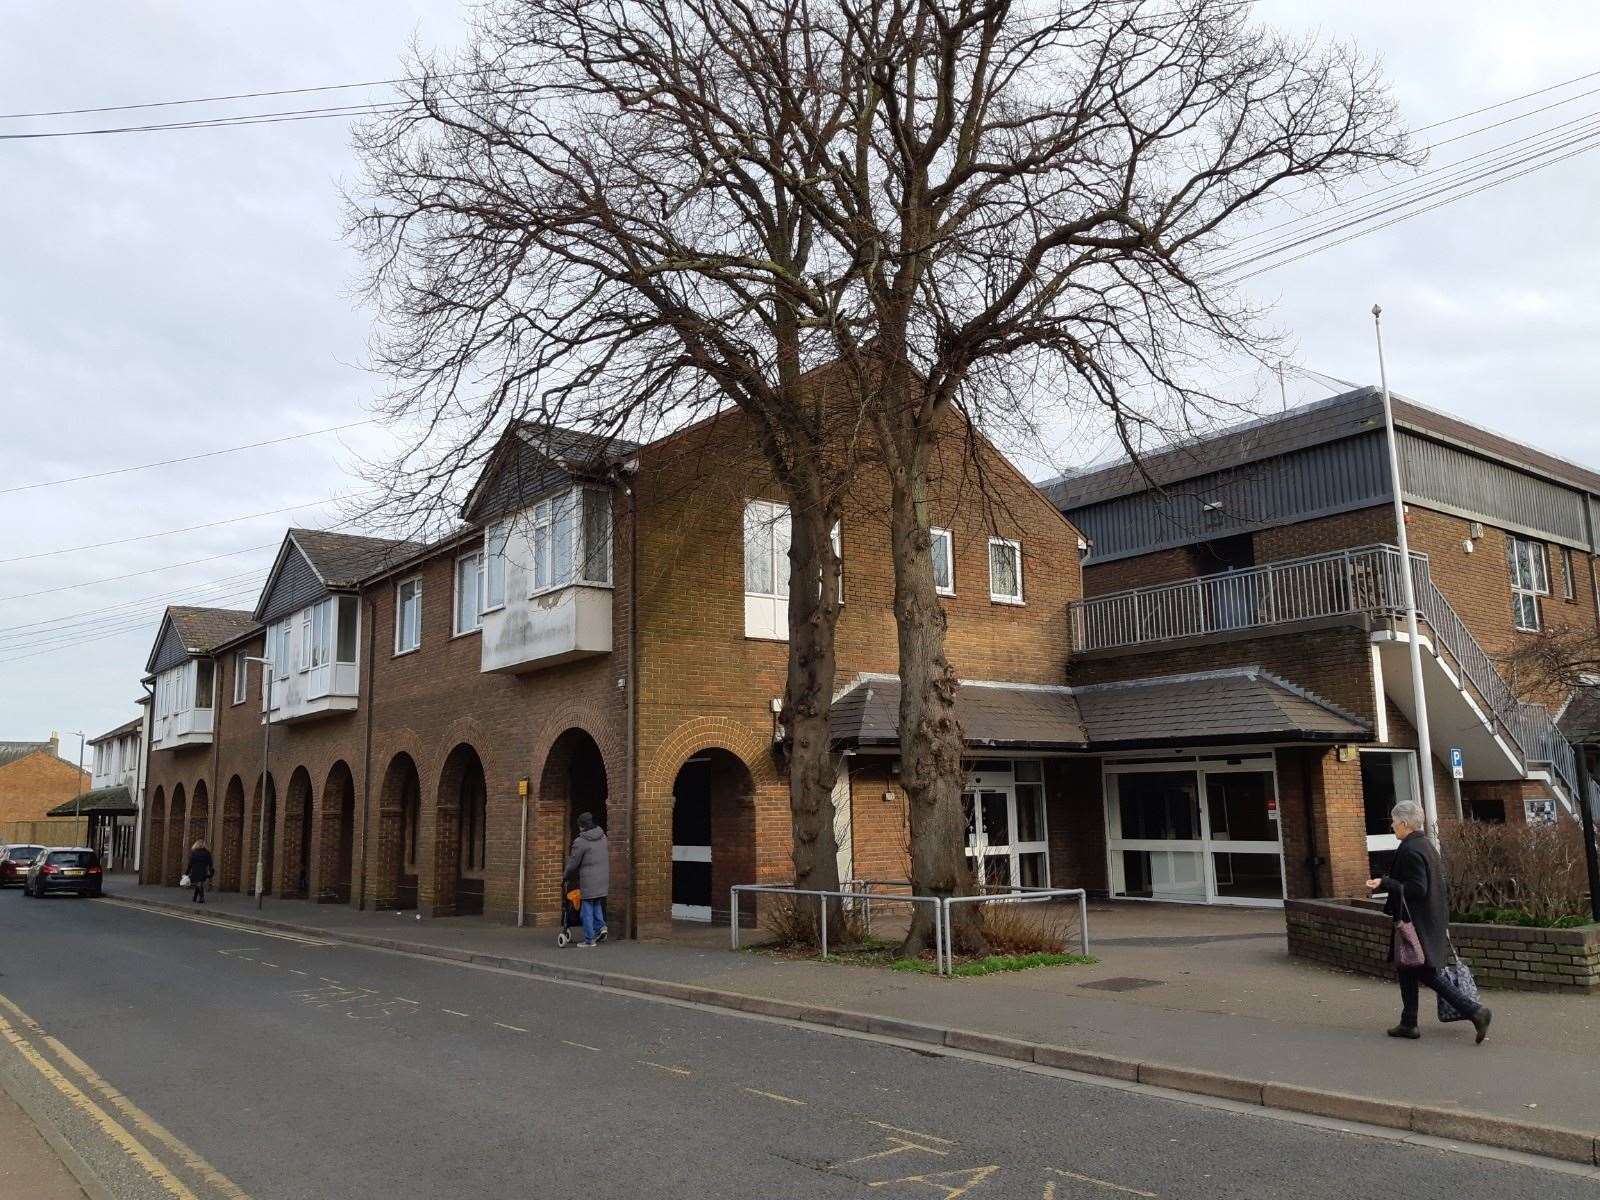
(1418, 903)
(589, 870)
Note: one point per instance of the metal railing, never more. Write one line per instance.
(1009, 894)
(1365, 579)
(841, 894)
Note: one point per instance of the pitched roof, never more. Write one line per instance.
(125, 728)
(1234, 706)
(10, 752)
(532, 459)
(1328, 420)
(342, 559)
(1579, 720)
(114, 800)
(203, 629)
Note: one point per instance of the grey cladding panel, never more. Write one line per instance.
(1316, 480)
(521, 475)
(1496, 493)
(170, 650)
(296, 586)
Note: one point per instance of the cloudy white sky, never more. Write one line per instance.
(165, 294)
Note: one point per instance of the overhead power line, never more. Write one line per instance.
(68, 587)
(167, 462)
(170, 595)
(300, 91)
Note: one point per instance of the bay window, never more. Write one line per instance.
(571, 540)
(493, 584)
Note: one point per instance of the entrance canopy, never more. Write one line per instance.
(108, 801)
(1239, 706)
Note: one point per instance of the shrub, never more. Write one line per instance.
(1021, 929)
(1534, 870)
(794, 922)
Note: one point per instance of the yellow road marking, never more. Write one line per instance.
(896, 1146)
(1115, 1187)
(218, 923)
(107, 1123)
(579, 1045)
(775, 1096)
(968, 1178)
(927, 1137)
(645, 1062)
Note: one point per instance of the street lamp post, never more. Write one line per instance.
(266, 758)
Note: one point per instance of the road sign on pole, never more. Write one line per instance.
(1458, 768)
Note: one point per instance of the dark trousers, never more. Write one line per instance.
(1410, 977)
(200, 892)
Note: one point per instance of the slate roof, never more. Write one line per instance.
(10, 752)
(125, 728)
(204, 629)
(532, 460)
(343, 559)
(114, 800)
(1328, 420)
(1238, 705)
(1580, 716)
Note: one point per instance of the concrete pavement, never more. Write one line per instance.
(29, 1165)
(1206, 990)
(249, 1064)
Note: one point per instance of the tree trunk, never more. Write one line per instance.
(931, 740)
(808, 695)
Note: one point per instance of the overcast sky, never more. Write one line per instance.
(170, 293)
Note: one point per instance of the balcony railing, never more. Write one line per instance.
(1366, 580)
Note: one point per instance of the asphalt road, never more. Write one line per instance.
(227, 1062)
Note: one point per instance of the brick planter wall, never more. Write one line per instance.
(1354, 935)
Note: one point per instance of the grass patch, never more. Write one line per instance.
(995, 963)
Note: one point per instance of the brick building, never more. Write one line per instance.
(34, 778)
(1270, 546)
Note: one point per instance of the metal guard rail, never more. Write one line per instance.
(782, 889)
(1013, 894)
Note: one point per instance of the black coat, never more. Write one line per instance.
(199, 866)
(1417, 875)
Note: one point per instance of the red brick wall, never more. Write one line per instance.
(1075, 813)
(34, 784)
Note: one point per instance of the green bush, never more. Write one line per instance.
(1526, 874)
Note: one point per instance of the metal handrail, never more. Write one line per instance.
(784, 889)
(1014, 894)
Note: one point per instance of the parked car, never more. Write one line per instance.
(14, 862)
(64, 869)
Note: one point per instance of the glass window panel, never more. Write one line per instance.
(596, 535)
(1248, 876)
(1159, 805)
(996, 821)
(1030, 812)
(1005, 576)
(969, 817)
(345, 651)
(758, 543)
(204, 675)
(1028, 770)
(469, 604)
(944, 579)
(1031, 870)
(543, 537)
(782, 535)
(494, 575)
(1238, 804)
(564, 541)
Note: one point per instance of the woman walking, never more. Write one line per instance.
(1417, 892)
(199, 871)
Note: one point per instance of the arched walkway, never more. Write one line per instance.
(230, 835)
(573, 781)
(177, 853)
(295, 882)
(336, 847)
(713, 833)
(156, 838)
(394, 875)
(260, 833)
(461, 835)
(199, 818)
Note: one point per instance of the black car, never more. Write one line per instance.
(14, 862)
(64, 869)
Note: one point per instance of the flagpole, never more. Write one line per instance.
(1430, 809)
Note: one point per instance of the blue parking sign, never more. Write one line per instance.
(1457, 764)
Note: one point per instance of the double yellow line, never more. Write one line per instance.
(216, 1183)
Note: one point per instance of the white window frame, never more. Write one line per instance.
(307, 616)
(560, 515)
(1016, 548)
(495, 539)
(945, 536)
(415, 583)
(477, 609)
(1569, 585)
(1529, 564)
(241, 678)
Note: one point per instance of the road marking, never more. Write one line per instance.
(927, 1137)
(896, 1146)
(775, 1096)
(579, 1045)
(454, 1013)
(403, 1000)
(130, 1145)
(967, 1177)
(292, 971)
(513, 1028)
(219, 923)
(325, 979)
(645, 1062)
(1115, 1187)
(265, 963)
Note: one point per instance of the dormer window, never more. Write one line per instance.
(571, 540)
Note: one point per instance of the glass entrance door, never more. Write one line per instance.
(1242, 835)
(1006, 842)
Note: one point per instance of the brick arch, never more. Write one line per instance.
(765, 807)
(156, 837)
(177, 851)
(199, 816)
(601, 789)
(230, 836)
(392, 882)
(294, 855)
(335, 835)
(460, 801)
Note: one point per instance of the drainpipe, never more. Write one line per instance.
(366, 759)
(633, 707)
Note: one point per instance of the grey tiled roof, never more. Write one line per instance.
(114, 800)
(1240, 705)
(1580, 717)
(11, 751)
(1237, 705)
(342, 559)
(203, 629)
(125, 728)
(573, 448)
